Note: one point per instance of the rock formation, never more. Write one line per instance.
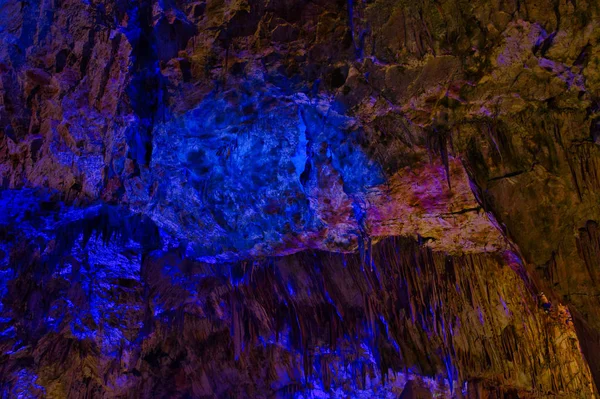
(291, 198)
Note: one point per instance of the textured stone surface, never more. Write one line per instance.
(184, 182)
(109, 314)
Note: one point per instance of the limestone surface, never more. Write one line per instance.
(291, 198)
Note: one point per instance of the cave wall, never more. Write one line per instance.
(102, 308)
(437, 157)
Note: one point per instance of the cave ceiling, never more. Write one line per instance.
(303, 199)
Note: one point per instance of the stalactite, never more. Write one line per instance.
(417, 309)
(443, 145)
(588, 245)
(237, 330)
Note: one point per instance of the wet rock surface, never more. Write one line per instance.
(289, 198)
